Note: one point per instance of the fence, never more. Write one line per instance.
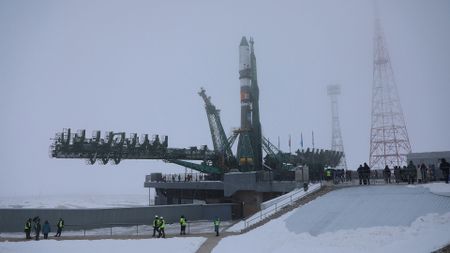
(13, 220)
(128, 229)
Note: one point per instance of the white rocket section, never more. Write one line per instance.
(244, 61)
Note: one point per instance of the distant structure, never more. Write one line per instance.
(389, 141)
(336, 137)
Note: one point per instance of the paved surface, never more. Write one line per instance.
(212, 241)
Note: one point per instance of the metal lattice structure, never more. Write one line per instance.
(337, 143)
(219, 138)
(389, 141)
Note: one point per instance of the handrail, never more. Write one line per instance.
(86, 227)
(266, 212)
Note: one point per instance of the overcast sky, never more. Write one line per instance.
(136, 66)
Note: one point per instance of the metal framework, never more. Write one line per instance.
(389, 141)
(115, 147)
(336, 137)
(220, 141)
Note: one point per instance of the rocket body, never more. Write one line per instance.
(249, 144)
(245, 82)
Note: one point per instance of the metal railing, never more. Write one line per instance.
(117, 229)
(280, 204)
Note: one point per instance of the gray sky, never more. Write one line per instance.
(136, 66)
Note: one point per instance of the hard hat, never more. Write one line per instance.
(156, 216)
(161, 217)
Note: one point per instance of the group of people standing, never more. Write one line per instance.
(410, 173)
(159, 225)
(45, 229)
(364, 174)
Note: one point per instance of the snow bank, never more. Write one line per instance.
(442, 189)
(426, 234)
(179, 245)
(387, 218)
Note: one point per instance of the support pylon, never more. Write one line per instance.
(336, 137)
(389, 141)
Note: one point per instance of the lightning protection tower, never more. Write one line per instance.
(389, 141)
(336, 137)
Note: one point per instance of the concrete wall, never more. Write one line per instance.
(13, 220)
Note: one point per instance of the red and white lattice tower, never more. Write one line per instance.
(389, 141)
(336, 137)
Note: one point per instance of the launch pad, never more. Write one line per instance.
(246, 179)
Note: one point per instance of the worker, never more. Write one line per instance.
(182, 225)
(59, 226)
(445, 167)
(162, 225)
(216, 225)
(328, 174)
(155, 225)
(28, 229)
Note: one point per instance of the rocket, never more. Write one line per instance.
(245, 81)
(249, 145)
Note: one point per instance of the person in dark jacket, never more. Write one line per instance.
(445, 167)
(59, 226)
(397, 174)
(360, 174)
(366, 170)
(387, 175)
(37, 228)
(411, 172)
(46, 229)
(28, 229)
(423, 171)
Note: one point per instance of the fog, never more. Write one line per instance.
(136, 66)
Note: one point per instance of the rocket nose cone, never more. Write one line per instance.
(243, 41)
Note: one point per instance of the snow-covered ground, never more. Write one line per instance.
(382, 218)
(437, 188)
(74, 201)
(179, 245)
(379, 218)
